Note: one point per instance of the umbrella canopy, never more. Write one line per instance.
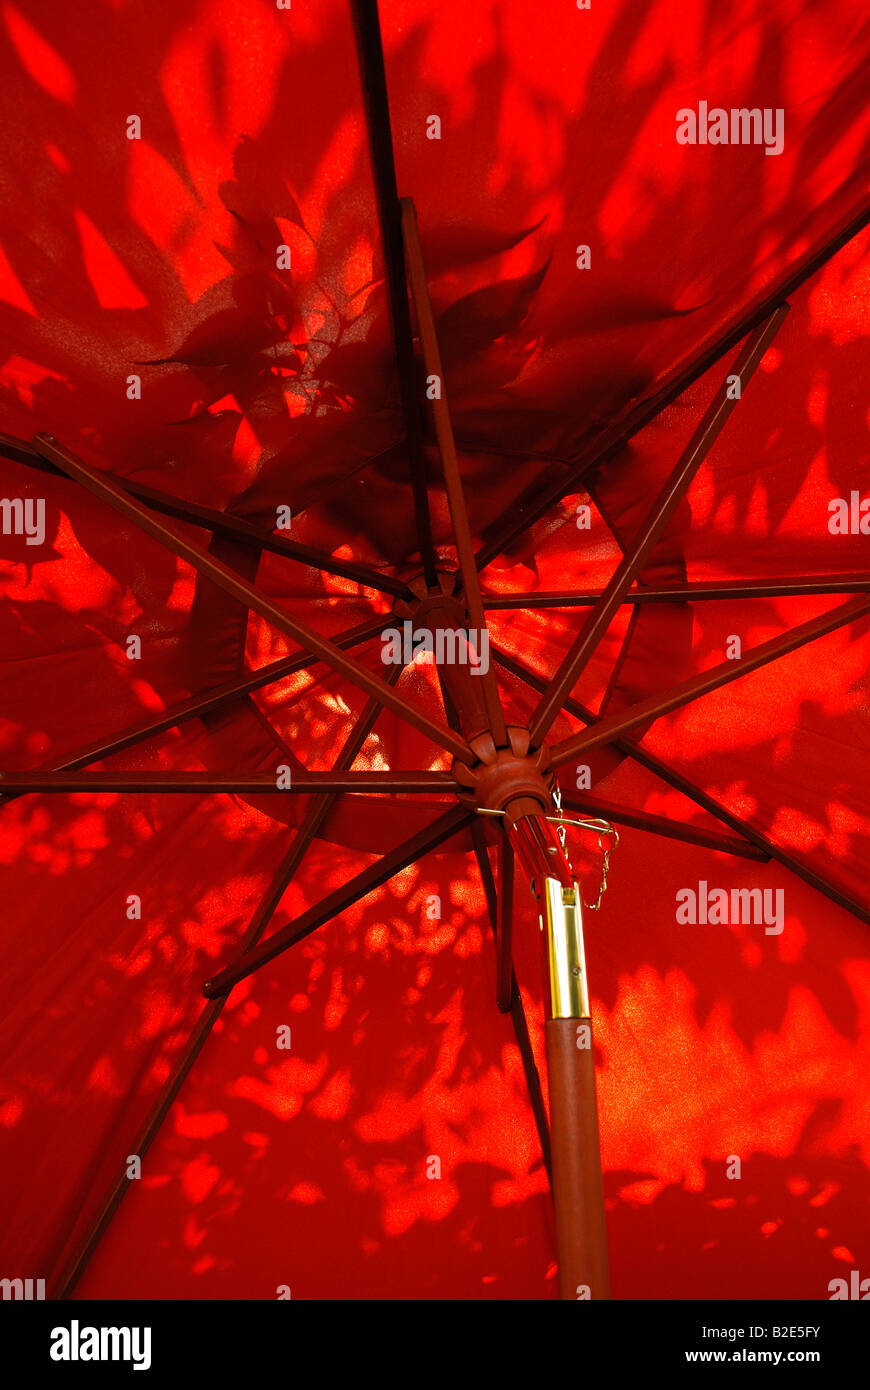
(204, 320)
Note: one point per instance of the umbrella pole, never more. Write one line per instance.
(578, 1188)
(577, 1181)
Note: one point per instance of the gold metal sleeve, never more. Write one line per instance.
(569, 992)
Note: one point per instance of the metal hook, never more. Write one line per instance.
(603, 827)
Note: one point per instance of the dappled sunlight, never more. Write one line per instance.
(732, 1099)
(460, 1101)
(198, 304)
(381, 1082)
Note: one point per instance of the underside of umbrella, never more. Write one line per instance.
(435, 531)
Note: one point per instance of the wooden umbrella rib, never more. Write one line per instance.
(449, 461)
(505, 982)
(743, 827)
(301, 782)
(523, 517)
(632, 749)
(199, 705)
(158, 1111)
(660, 825)
(481, 854)
(698, 592)
(511, 988)
(164, 1100)
(222, 524)
(500, 908)
(629, 747)
(623, 721)
(227, 579)
(717, 413)
(373, 79)
(344, 897)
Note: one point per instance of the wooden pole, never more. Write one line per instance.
(576, 1179)
(578, 1187)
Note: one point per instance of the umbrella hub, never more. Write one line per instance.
(441, 596)
(436, 619)
(512, 779)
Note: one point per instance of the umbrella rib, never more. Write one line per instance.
(163, 1102)
(199, 705)
(233, 783)
(766, 847)
(515, 1005)
(450, 463)
(373, 80)
(700, 591)
(500, 909)
(341, 899)
(661, 825)
(632, 749)
(290, 862)
(683, 376)
(506, 979)
(717, 413)
(663, 702)
(222, 524)
(227, 579)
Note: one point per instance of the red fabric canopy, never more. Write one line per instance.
(261, 387)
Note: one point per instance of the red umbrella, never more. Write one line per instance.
(268, 429)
